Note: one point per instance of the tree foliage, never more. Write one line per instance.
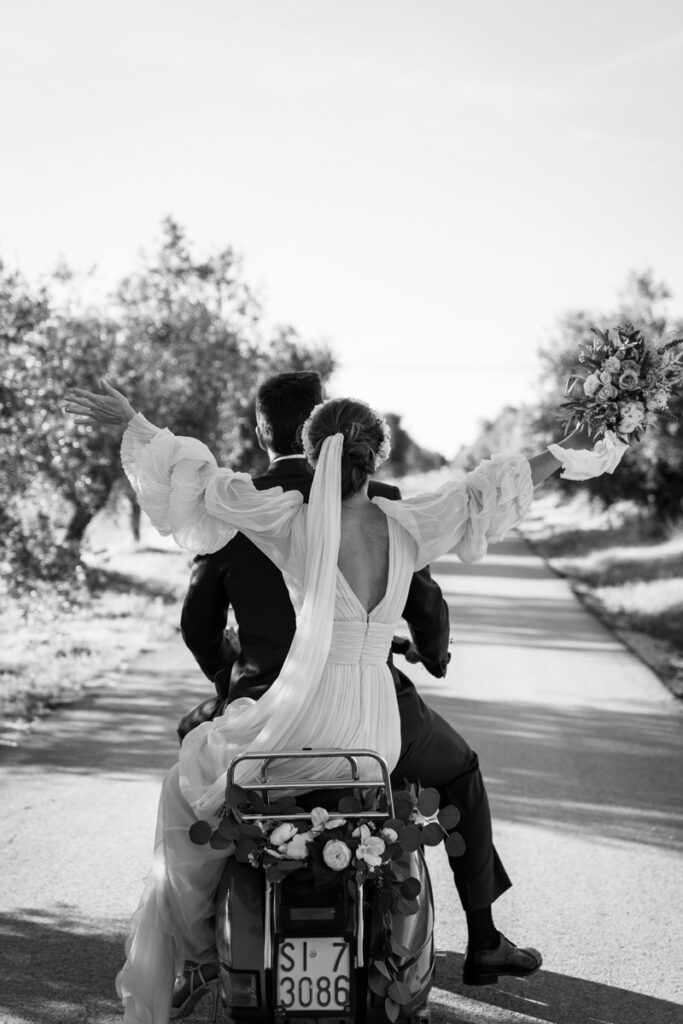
(407, 456)
(182, 336)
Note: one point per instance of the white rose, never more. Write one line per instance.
(297, 847)
(629, 380)
(336, 855)
(605, 377)
(282, 834)
(607, 391)
(591, 384)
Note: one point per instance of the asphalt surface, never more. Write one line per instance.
(582, 751)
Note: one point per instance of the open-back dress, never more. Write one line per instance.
(335, 688)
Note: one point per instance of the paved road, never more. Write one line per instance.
(583, 755)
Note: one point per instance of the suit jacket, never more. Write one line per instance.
(242, 576)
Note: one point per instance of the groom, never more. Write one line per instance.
(432, 753)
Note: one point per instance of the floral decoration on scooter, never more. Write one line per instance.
(359, 849)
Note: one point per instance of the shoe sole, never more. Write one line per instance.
(484, 978)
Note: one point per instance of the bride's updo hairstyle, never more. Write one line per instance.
(367, 439)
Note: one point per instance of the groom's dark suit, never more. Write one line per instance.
(431, 751)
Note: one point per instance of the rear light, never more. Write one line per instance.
(240, 988)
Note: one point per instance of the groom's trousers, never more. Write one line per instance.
(434, 754)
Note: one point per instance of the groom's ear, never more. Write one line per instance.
(259, 438)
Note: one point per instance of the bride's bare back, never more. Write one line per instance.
(364, 551)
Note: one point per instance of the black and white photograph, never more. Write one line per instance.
(341, 512)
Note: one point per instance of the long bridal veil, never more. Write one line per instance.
(271, 722)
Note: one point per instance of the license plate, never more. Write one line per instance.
(314, 974)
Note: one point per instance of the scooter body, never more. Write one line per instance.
(298, 951)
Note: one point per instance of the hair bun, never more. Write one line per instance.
(366, 439)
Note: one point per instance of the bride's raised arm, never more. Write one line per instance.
(180, 486)
(466, 516)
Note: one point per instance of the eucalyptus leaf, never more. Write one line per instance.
(428, 802)
(391, 1009)
(411, 887)
(200, 832)
(432, 834)
(449, 817)
(410, 838)
(455, 845)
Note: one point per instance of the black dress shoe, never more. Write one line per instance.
(483, 966)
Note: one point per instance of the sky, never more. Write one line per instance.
(425, 185)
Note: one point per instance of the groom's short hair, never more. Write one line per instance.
(283, 404)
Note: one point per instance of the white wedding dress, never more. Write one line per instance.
(335, 688)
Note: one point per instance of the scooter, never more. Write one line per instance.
(291, 950)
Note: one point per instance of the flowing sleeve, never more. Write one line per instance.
(188, 496)
(466, 515)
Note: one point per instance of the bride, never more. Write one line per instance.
(348, 561)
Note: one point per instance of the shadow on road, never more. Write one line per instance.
(558, 998)
(54, 967)
(118, 733)
(618, 756)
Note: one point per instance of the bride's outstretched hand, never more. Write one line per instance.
(111, 409)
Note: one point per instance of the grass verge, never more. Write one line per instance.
(55, 642)
(633, 582)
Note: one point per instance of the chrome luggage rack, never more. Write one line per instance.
(354, 782)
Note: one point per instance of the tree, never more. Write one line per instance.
(54, 476)
(182, 336)
(407, 456)
(511, 431)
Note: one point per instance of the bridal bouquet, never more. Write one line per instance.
(330, 847)
(623, 382)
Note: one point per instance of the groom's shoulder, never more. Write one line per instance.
(289, 479)
(376, 489)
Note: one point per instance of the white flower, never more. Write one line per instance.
(659, 399)
(336, 855)
(282, 833)
(320, 819)
(371, 847)
(297, 847)
(591, 384)
(319, 816)
(632, 417)
(605, 377)
(607, 391)
(420, 819)
(612, 365)
(389, 835)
